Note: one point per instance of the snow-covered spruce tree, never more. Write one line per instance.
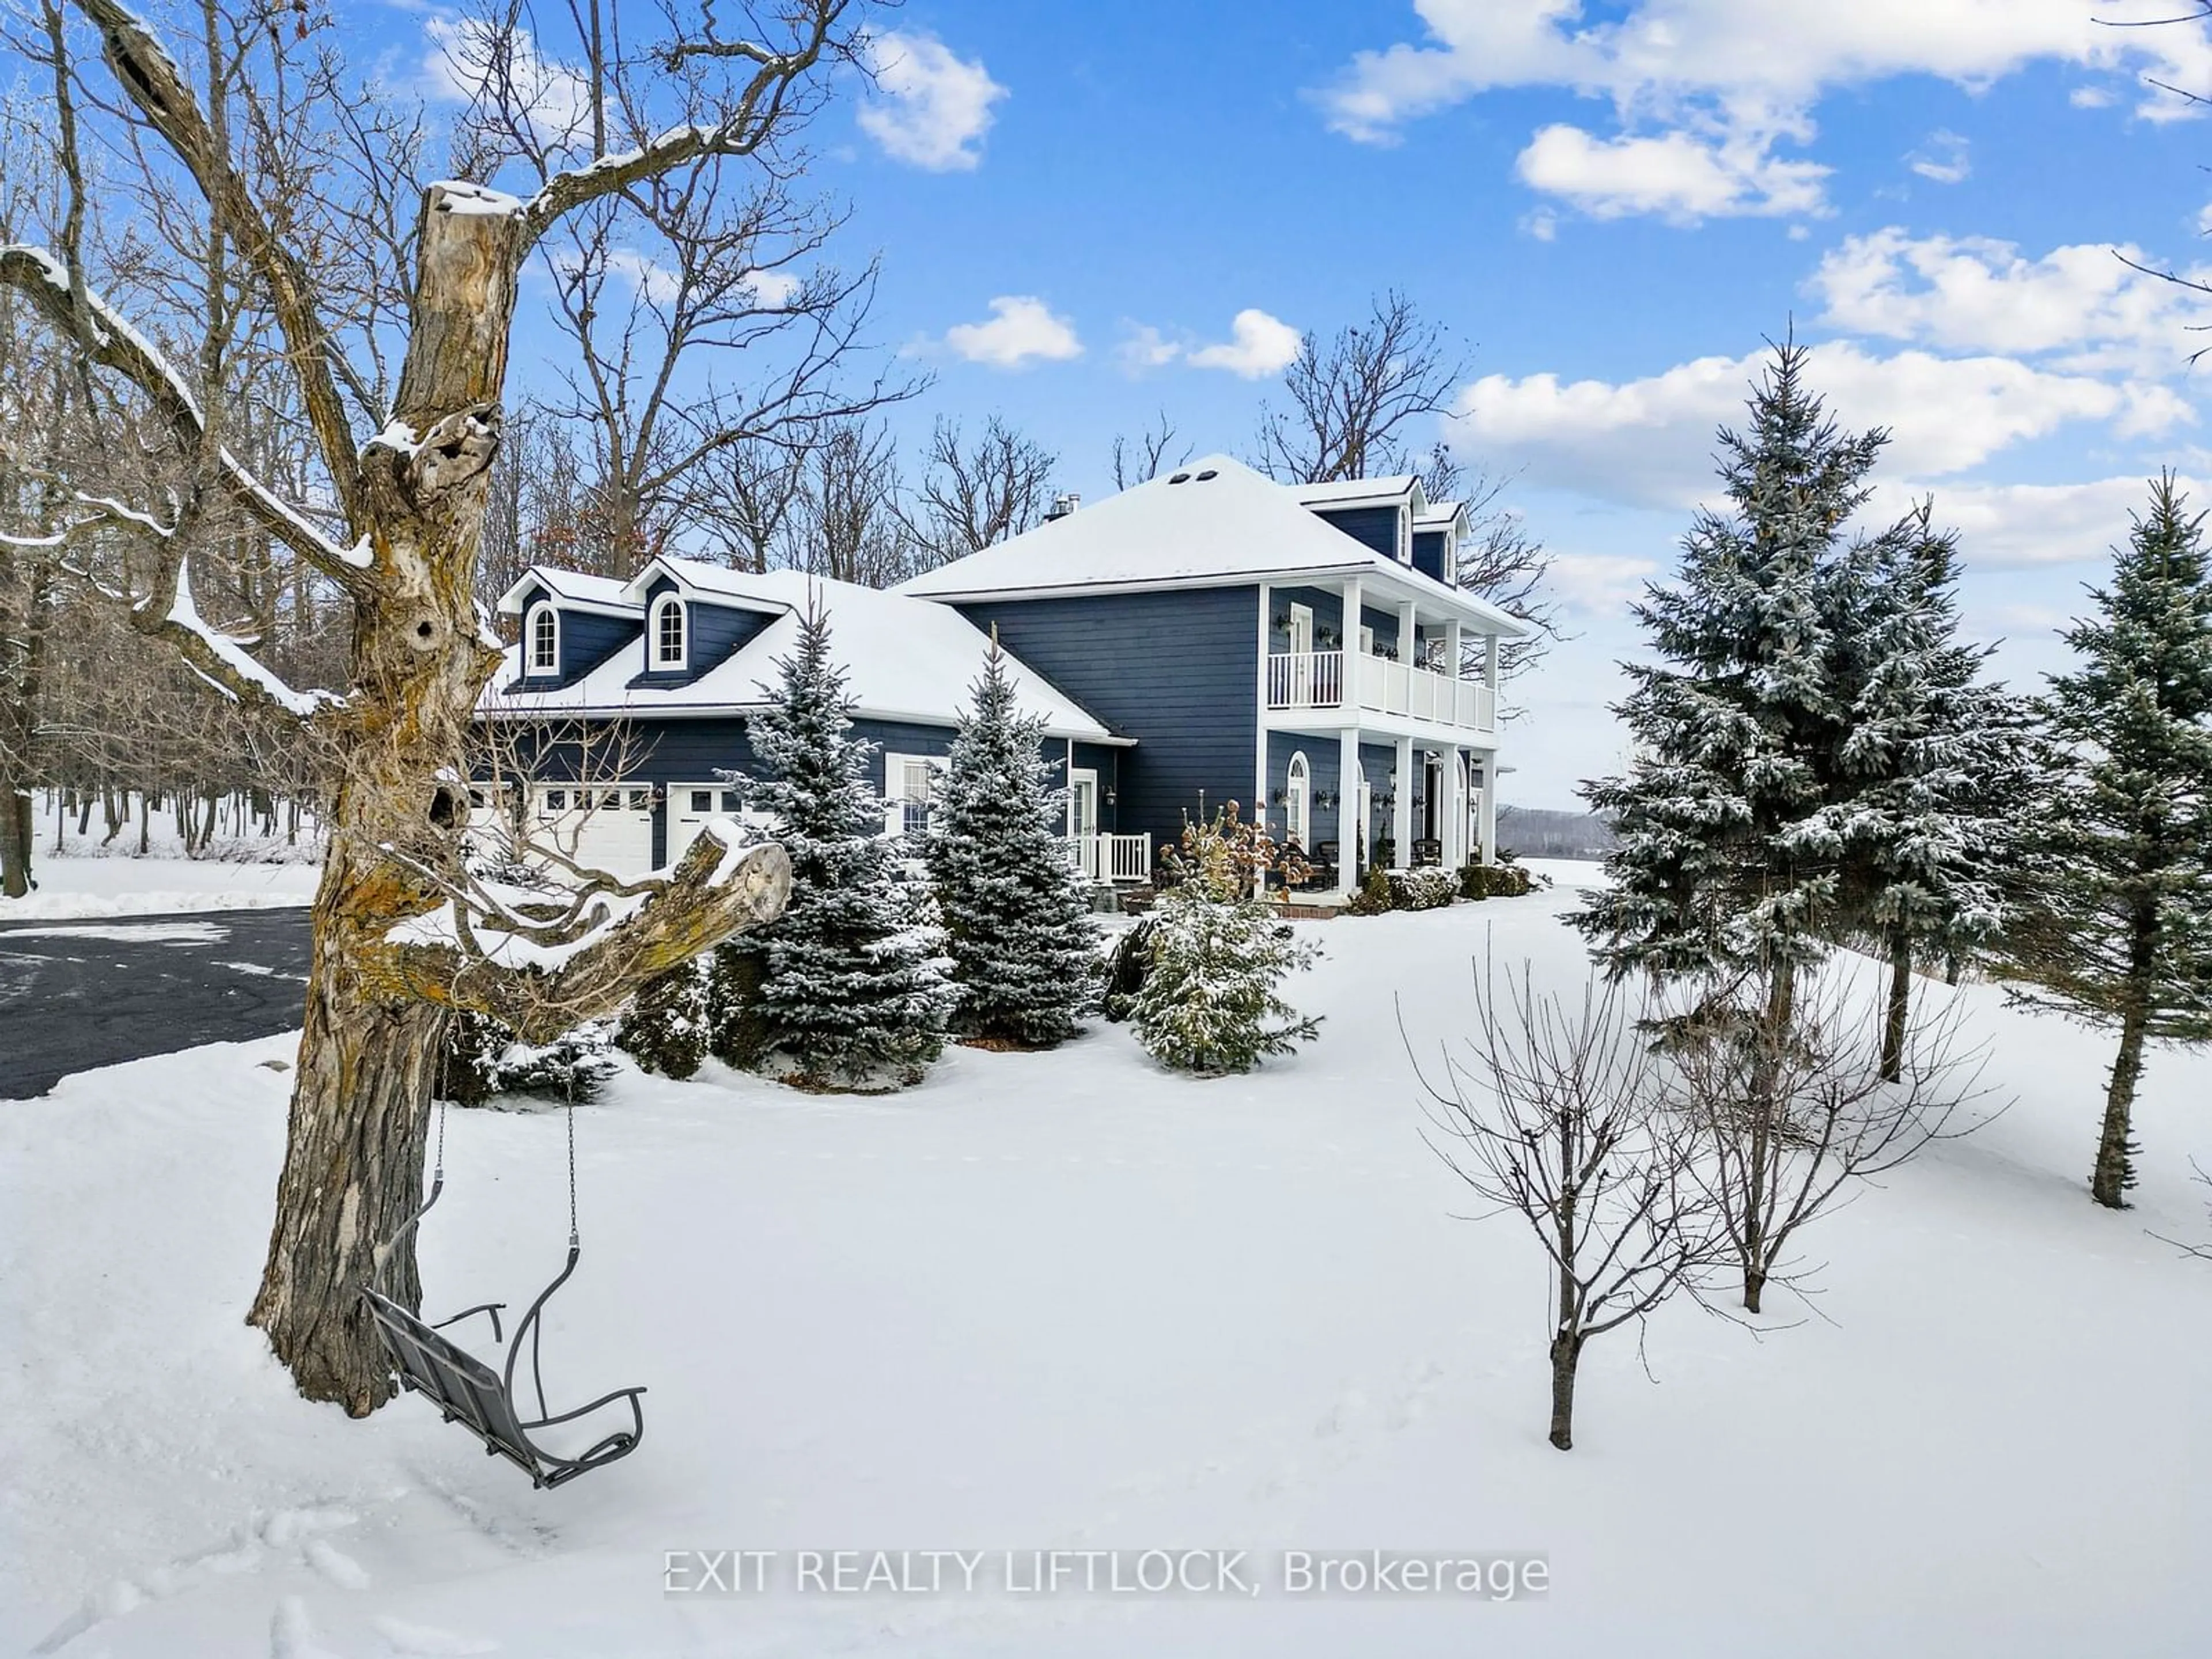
(1933, 775)
(1726, 862)
(2113, 908)
(854, 997)
(666, 1026)
(1216, 954)
(1017, 920)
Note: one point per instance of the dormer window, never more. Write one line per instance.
(541, 635)
(667, 632)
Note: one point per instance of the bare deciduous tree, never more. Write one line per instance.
(971, 496)
(1148, 457)
(1501, 560)
(1560, 1114)
(1781, 1077)
(390, 518)
(1355, 397)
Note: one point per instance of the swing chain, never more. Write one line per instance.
(571, 1092)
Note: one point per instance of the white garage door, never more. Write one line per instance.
(690, 806)
(608, 828)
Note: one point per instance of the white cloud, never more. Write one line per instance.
(1258, 345)
(1750, 69)
(1600, 583)
(1543, 224)
(930, 108)
(465, 55)
(2021, 526)
(1145, 347)
(2084, 302)
(1678, 175)
(1022, 330)
(1946, 158)
(1650, 442)
(773, 287)
(2089, 98)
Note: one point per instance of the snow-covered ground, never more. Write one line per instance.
(118, 886)
(1065, 1302)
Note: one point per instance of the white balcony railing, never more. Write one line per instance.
(1111, 858)
(1316, 679)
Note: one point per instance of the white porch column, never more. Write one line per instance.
(1490, 678)
(1451, 651)
(1452, 812)
(1347, 804)
(1259, 813)
(1405, 625)
(1402, 807)
(1350, 641)
(1487, 825)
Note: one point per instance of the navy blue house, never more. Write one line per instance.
(1207, 636)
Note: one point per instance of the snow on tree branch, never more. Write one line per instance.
(114, 344)
(544, 963)
(152, 80)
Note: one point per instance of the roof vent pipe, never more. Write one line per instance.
(1062, 506)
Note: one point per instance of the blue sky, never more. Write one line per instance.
(1090, 213)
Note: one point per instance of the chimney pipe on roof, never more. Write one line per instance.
(1062, 506)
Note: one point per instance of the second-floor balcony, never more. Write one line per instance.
(1340, 682)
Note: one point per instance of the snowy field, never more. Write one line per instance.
(119, 886)
(1065, 1302)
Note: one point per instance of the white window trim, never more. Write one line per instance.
(530, 663)
(895, 767)
(656, 659)
(1298, 802)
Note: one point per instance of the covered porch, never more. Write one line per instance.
(1357, 797)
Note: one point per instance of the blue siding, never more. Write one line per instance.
(1375, 526)
(714, 634)
(686, 752)
(1327, 604)
(586, 641)
(1177, 672)
(1431, 549)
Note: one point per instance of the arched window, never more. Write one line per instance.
(668, 632)
(1298, 802)
(543, 633)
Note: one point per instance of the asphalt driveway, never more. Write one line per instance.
(77, 994)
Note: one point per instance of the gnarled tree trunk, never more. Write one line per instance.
(353, 1166)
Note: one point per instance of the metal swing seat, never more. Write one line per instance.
(467, 1391)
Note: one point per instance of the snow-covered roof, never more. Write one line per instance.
(905, 659)
(1442, 515)
(1224, 524)
(572, 587)
(1357, 492)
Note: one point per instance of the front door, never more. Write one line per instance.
(1301, 662)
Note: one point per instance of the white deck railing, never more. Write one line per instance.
(1111, 858)
(1316, 679)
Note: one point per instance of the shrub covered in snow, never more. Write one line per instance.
(1207, 959)
(481, 1058)
(1480, 881)
(1422, 890)
(1208, 1002)
(668, 1024)
(1373, 898)
(736, 1034)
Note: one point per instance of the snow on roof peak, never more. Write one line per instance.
(1210, 521)
(602, 591)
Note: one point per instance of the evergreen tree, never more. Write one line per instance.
(1933, 773)
(665, 1028)
(854, 997)
(1728, 862)
(2115, 905)
(1214, 953)
(1017, 920)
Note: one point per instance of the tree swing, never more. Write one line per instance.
(469, 1392)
